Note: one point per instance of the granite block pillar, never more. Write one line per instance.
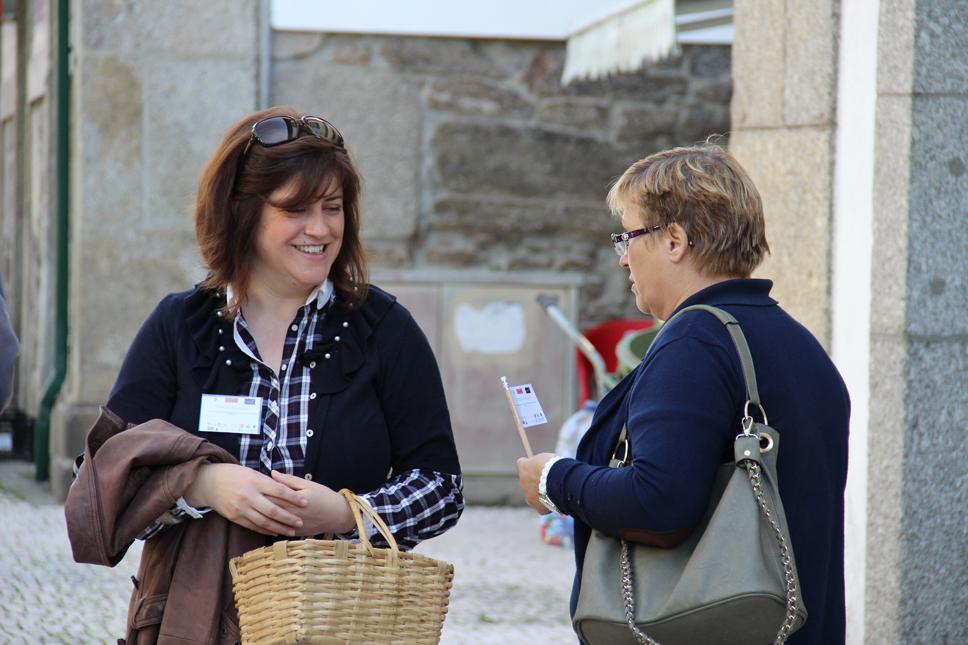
(155, 84)
(917, 524)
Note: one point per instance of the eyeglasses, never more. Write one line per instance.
(276, 130)
(621, 240)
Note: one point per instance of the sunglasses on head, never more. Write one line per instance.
(276, 130)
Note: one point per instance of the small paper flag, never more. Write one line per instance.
(528, 407)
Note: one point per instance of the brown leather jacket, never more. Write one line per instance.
(130, 477)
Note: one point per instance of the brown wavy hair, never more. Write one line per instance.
(708, 193)
(228, 208)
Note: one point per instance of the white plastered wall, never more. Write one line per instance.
(851, 285)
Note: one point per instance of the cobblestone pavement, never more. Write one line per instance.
(509, 588)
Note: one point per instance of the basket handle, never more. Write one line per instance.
(360, 508)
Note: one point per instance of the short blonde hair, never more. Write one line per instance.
(707, 192)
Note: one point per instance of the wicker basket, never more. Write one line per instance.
(337, 592)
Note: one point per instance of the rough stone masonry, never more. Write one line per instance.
(474, 156)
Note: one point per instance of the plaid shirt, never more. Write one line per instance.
(416, 504)
(285, 398)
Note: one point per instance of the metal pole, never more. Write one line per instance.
(62, 96)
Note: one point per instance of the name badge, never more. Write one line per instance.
(231, 414)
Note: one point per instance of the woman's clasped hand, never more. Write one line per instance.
(276, 505)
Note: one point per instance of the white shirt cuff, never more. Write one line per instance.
(190, 510)
(543, 485)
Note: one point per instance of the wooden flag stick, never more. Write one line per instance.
(517, 419)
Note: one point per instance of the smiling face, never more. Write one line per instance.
(296, 246)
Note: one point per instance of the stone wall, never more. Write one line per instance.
(917, 557)
(783, 114)
(915, 581)
(10, 168)
(27, 229)
(154, 86)
(475, 157)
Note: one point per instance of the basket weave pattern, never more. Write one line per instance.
(333, 591)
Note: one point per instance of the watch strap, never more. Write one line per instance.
(543, 485)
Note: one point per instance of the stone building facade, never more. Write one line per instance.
(475, 157)
(850, 116)
(477, 162)
(27, 227)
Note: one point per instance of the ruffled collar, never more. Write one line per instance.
(344, 336)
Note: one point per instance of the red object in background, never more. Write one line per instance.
(605, 338)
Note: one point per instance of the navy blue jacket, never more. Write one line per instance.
(683, 406)
(9, 348)
(379, 399)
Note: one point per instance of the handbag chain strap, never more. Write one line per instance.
(789, 578)
(629, 597)
(752, 470)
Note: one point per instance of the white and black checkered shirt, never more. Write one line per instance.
(285, 398)
(416, 505)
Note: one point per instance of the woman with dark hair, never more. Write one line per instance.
(284, 357)
(692, 233)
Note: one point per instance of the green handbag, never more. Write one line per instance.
(733, 582)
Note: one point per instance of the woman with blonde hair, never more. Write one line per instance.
(693, 232)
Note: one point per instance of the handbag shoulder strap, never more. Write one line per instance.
(739, 340)
(745, 360)
(752, 465)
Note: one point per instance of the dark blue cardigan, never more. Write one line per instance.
(379, 400)
(683, 406)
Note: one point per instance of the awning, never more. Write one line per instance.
(644, 31)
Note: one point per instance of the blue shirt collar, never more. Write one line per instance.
(738, 291)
